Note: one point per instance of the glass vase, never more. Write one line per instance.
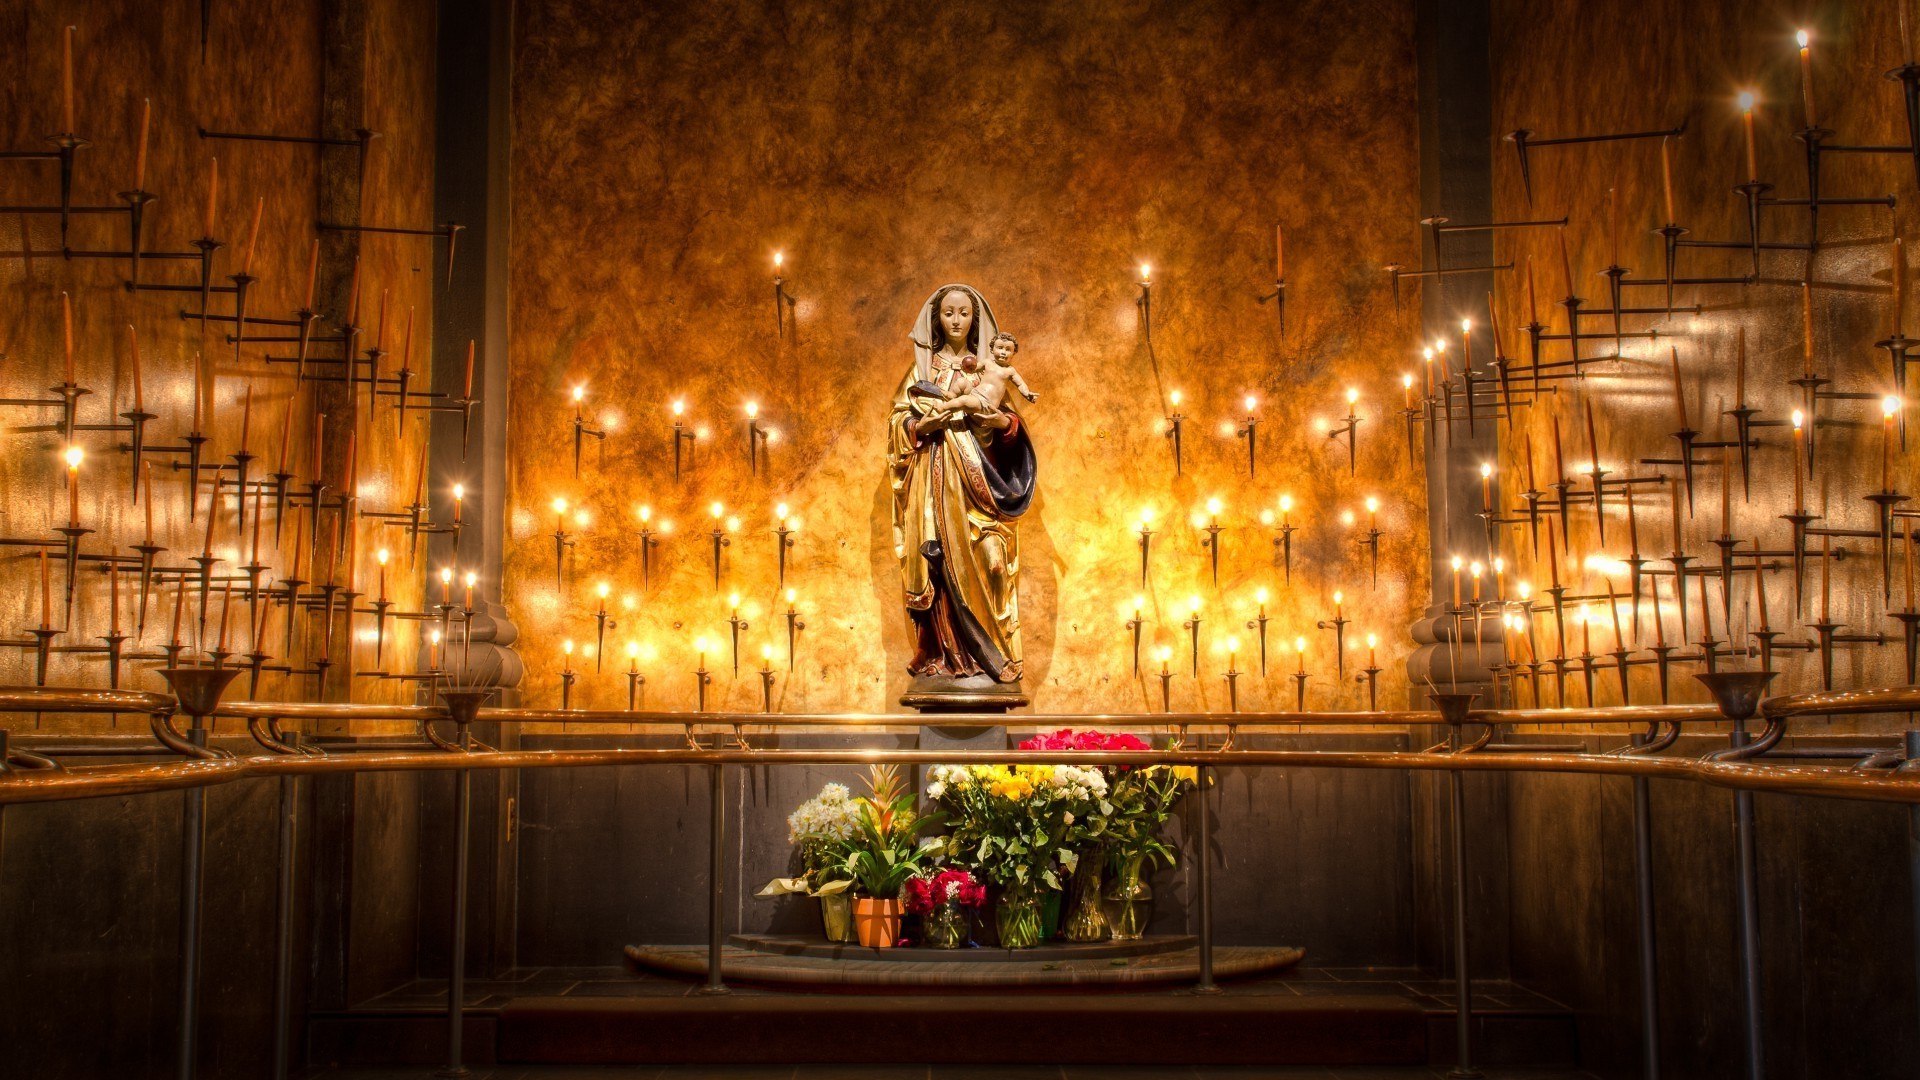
(1085, 922)
(836, 916)
(1016, 915)
(946, 926)
(1129, 900)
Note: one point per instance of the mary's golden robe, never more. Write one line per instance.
(958, 491)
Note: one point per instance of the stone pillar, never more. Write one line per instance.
(1456, 182)
(470, 188)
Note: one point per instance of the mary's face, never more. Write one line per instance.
(956, 318)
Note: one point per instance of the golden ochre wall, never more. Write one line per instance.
(1041, 153)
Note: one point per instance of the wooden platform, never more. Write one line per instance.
(801, 962)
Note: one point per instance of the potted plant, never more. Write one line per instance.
(880, 855)
(945, 901)
(817, 828)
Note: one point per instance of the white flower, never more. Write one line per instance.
(1069, 817)
(936, 789)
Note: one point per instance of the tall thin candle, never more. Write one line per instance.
(1806, 77)
(1666, 175)
(1746, 122)
(140, 155)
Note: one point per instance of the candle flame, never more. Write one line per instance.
(1889, 406)
(381, 556)
(1406, 381)
(446, 575)
(679, 408)
(778, 258)
(1340, 597)
(559, 506)
(1372, 640)
(472, 578)
(1300, 645)
(1174, 399)
(459, 492)
(579, 392)
(1475, 568)
(1428, 354)
(1166, 653)
(1799, 419)
(1524, 589)
(1252, 402)
(1233, 645)
(1458, 562)
(1466, 326)
(1286, 503)
(780, 511)
(1138, 603)
(645, 512)
(1440, 347)
(1213, 507)
(604, 589)
(718, 511)
(1353, 395)
(753, 409)
(1746, 100)
(1486, 470)
(1373, 505)
(567, 646)
(766, 653)
(1499, 565)
(74, 456)
(790, 595)
(1146, 272)
(436, 637)
(1260, 595)
(1146, 516)
(733, 600)
(1193, 604)
(1803, 38)
(633, 649)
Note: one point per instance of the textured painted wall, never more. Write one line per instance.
(1040, 153)
(263, 73)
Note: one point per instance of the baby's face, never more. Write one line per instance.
(1003, 351)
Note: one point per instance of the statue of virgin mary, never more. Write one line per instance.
(960, 484)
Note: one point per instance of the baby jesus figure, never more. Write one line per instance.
(991, 379)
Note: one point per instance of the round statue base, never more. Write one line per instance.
(972, 694)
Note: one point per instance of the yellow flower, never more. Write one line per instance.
(1187, 773)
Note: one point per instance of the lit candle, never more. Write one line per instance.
(1146, 274)
(140, 155)
(1372, 640)
(1746, 121)
(467, 395)
(579, 395)
(1586, 630)
(1889, 408)
(1233, 653)
(1499, 577)
(1213, 512)
(1458, 562)
(1300, 648)
(73, 455)
(381, 557)
(471, 578)
(1406, 391)
(1466, 345)
(253, 235)
(459, 495)
(1806, 76)
(1799, 450)
(1486, 486)
(433, 651)
(1373, 514)
(566, 656)
(1286, 506)
(446, 586)
(1339, 600)
(1666, 175)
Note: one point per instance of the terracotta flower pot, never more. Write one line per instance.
(876, 922)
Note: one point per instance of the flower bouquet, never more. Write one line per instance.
(1021, 827)
(1139, 801)
(944, 900)
(819, 828)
